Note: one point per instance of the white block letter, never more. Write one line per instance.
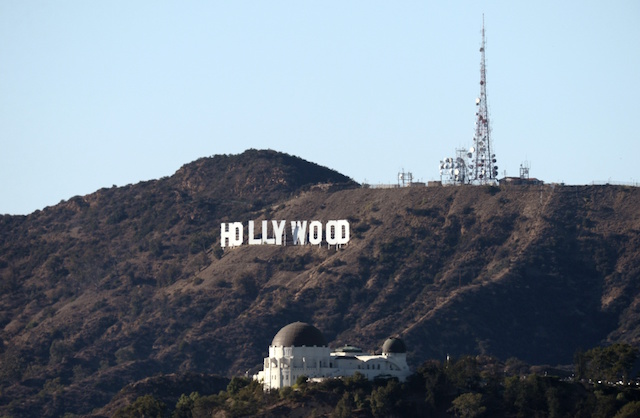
(252, 239)
(338, 232)
(278, 230)
(266, 240)
(315, 232)
(234, 234)
(298, 232)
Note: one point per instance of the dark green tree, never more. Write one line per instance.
(301, 382)
(630, 410)
(464, 373)
(184, 406)
(383, 399)
(580, 364)
(344, 407)
(610, 363)
(144, 407)
(204, 405)
(468, 405)
(236, 384)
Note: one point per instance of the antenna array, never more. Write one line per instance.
(477, 165)
(482, 160)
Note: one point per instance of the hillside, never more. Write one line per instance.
(106, 289)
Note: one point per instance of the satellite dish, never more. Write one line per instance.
(472, 149)
(456, 171)
(469, 155)
(478, 101)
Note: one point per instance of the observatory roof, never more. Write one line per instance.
(298, 334)
(394, 345)
(348, 349)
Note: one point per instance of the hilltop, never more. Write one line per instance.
(127, 283)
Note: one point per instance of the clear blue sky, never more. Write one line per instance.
(94, 94)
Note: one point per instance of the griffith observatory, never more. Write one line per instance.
(300, 349)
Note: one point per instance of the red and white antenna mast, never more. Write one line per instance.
(482, 167)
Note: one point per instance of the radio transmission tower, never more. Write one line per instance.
(482, 167)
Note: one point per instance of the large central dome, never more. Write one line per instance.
(298, 334)
(394, 345)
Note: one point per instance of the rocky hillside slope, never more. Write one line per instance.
(127, 283)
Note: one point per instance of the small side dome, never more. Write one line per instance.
(298, 334)
(394, 345)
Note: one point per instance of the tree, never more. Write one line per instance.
(609, 363)
(357, 381)
(468, 405)
(184, 406)
(464, 373)
(236, 384)
(630, 410)
(434, 382)
(204, 405)
(344, 407)
(301, 382)
(144, 407)
(383, 399)
(580, 363)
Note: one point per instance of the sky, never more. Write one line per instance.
(96, 94)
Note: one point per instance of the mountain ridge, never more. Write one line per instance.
(106, 289)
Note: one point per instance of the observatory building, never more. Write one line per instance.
(299, 349)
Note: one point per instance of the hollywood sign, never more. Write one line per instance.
(274, 233)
